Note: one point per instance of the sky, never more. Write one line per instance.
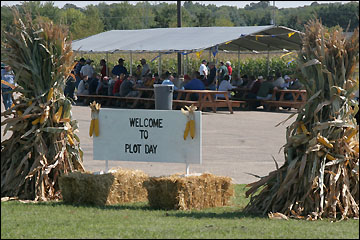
(239, 4)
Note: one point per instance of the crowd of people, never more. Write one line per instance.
(118, 81)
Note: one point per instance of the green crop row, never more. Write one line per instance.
(255, 65)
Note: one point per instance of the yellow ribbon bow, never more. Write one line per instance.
(290, 34)
(94, 124)
(190, 125)
(199, 53)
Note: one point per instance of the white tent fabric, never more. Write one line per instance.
(191, 39)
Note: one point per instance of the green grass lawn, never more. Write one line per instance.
(59, 220)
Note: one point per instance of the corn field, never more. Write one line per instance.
(250, 64)
(320, 176)
(43, 144)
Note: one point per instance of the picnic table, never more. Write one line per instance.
(297, 101)
(206, 98)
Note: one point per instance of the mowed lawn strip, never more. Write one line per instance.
(59, 220)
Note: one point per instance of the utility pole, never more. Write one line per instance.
(179, 25)
(273, 21)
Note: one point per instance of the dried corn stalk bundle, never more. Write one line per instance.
(320, 177)
(43, 143)
(191, 192)
(117, 186)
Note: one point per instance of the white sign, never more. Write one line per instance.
(146, 136)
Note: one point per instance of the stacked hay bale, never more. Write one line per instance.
(117, 186)
(191, 192)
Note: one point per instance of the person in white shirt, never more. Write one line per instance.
(279, 80)
(203, 70)
(225, 85)
(83, 88)
(145, 68)
(87, 70)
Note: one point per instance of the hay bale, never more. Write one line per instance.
(190, 192)
(117, 186)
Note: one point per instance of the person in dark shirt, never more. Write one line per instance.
(118, 69)
(77, 70)
(211, 81)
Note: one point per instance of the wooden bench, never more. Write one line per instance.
(298, 100)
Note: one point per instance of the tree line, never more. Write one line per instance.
(93, 19)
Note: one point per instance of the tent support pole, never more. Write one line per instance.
(186, 64)
(107, 64)
(183, 65)
(159, 65)
(130, 62)
(239, 62)
(267, 63)
(210, 55)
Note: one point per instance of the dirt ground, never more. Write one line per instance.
(234, 145)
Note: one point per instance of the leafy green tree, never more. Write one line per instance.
(89, 25)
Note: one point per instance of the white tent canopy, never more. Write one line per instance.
(191, 39)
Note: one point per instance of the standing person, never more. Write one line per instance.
(211, 81)
(104, 70)
(77, 70)
(70, 85)
(203, 70)
(118, 69)
(87, 70)
(8, 76)
(223, 71)
(228, 65)
(145, 68)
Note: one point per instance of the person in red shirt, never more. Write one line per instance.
(228, 65)
(103, 69)
(116, 89)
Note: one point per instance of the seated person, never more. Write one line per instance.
(93, 83)
(266, 88)
(157, 78)
(296, 85)
(149, 81)
(83, 88)
(285, 86)
(138, 72)
(166, 81)
(103, 85)
(254, 87)
(111, 86)
(236, 81)
(194, 84)
(225, 86)
(119, 80)
(127, 87)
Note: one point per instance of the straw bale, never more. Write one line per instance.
(117, 186)
(189, 192)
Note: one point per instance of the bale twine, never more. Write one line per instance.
(190, 192)
(117, 186)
